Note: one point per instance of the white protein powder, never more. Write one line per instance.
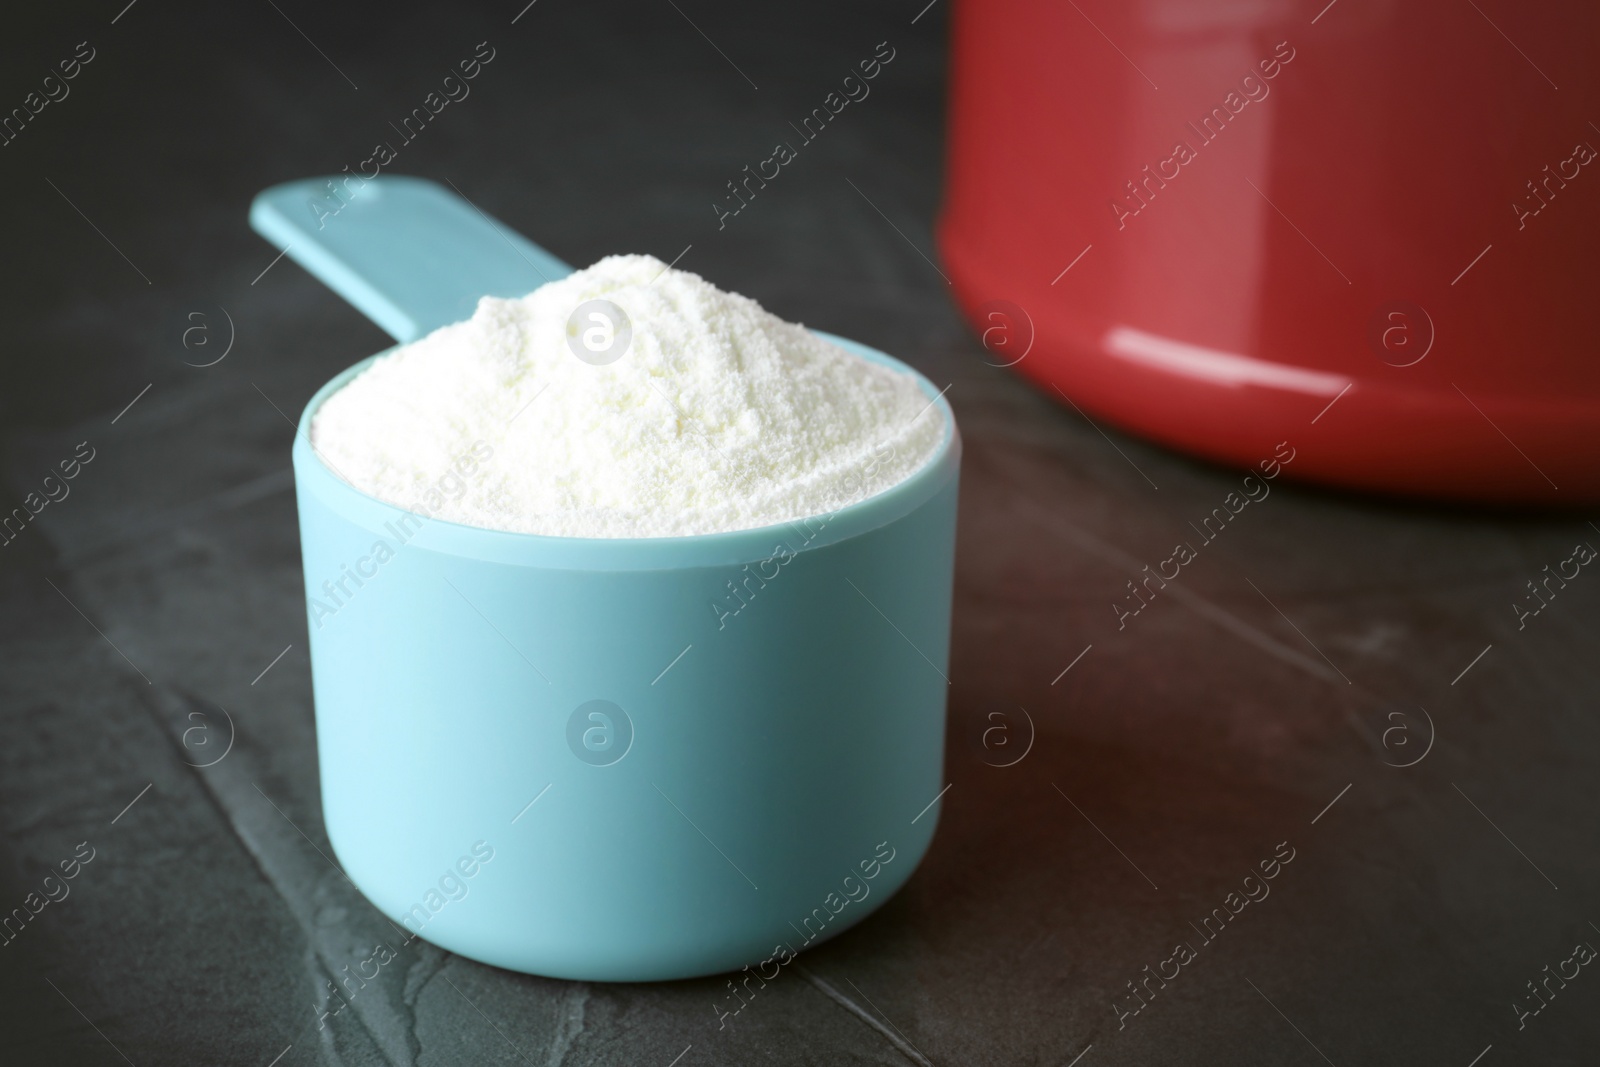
(717, 415)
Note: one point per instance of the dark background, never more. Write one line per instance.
(1190, 745)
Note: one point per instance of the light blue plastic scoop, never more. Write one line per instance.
(612, 760)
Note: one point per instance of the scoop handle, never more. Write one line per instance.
(408, 253)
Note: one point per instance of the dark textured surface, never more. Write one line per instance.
(1197, 740)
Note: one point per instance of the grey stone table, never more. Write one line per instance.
(1336, 690)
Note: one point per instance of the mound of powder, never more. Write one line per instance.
(692, 411)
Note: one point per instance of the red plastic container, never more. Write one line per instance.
(1369, 229)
